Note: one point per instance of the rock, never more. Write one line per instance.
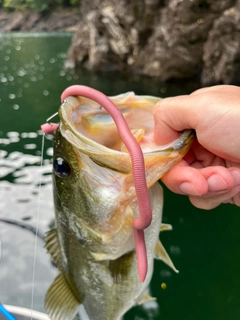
(58, 20)
(221, 55)
(164, 39)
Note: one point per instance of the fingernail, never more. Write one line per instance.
(216, 183)
(236, 177)
(188, 188)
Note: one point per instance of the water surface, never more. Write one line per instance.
(204, 245)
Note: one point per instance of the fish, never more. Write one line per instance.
(95, 205)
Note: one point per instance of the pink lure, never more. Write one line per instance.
(49, 127)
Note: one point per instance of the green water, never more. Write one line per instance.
(204, 245)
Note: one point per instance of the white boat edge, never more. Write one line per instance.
(26, 312)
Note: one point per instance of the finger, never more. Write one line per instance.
(172, 115)
(203, 157)
(207, 203)
(210, 181)
(219, 179)
(236, 199)
(230, 177)
(213, 89)
(183, 179)
(236, 175)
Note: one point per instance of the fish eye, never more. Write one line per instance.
(61, 167)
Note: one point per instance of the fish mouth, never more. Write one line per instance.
(92, 131)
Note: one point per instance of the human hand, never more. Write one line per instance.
(210, 172)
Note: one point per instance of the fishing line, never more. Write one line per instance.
(37, 226)
(52, 116)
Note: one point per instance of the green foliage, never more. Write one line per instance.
(14, 4)
(35, 5)
(74, 2)
(38, 5)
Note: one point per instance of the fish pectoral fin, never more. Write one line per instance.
(161, 254)
(60, 301)
(52, 247)
(165, 227)
(145, 297)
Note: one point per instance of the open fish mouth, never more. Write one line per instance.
(92, 131)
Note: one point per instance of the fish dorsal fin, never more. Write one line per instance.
(161, 254)
(145, 297)
(52, 246)
(60, 301)
(165, 227)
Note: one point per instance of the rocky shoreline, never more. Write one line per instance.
(60, 19)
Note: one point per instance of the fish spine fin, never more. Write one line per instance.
(145, 297)
(165, 227)
(60, 301)
(52, 247)
(161, 254)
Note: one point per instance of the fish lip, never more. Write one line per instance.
(186, 135)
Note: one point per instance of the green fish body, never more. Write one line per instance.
(95, 204)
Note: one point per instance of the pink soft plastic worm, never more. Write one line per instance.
(138, 168)
(49, 127)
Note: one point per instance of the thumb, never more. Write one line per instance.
(172, 115)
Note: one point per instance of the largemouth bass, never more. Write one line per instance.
(95, 206)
